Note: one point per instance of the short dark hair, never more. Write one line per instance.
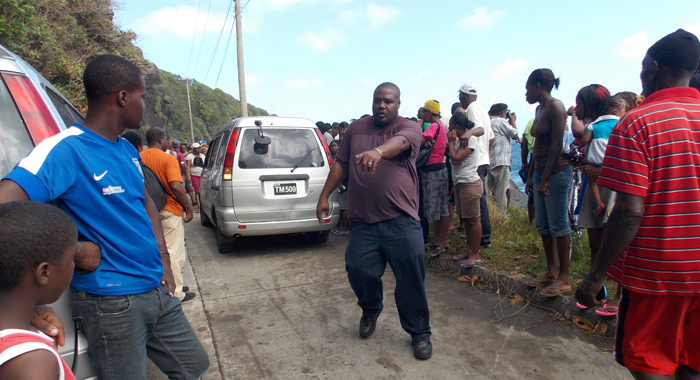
(33, 233)
(455, 105)
(390, 86)
(545, 78)
(334, 142)
(133, 138)
(344, 125)
(613, 102)
(460, 119)
(108, 74)
(592, 97)
(154, 134)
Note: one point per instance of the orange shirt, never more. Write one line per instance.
(167, 169)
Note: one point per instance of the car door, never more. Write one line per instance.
(209, 168)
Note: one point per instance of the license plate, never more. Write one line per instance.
(285, 188)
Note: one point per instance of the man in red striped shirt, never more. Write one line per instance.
(653, 162)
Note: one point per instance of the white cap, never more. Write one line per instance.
(468, 88)
(195, 145)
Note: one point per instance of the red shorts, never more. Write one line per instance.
(195, 183)
(658, 333)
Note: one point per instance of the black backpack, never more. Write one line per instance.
(154, 188)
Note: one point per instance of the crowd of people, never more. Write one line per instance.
(640, 208)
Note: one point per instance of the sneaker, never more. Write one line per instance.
(188, 296)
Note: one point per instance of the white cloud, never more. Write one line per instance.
(633, 47)
(301, 83)
(179, 21)
(323, 40)
(480, 19)
(509, 67)
(695, 29)
(253, 79)
(381, 15)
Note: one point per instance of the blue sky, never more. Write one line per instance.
(321, 59)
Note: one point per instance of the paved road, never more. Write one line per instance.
(281, 308)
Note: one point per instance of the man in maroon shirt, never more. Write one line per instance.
(652, 162)
(379, 154)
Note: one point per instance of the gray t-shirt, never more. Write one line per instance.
(393, 190)
(465, 171)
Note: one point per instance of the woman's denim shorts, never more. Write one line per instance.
(551, 217)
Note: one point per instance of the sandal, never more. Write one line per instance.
(440, 249)
(607, 311)
(599, 209)
(429, 246)
(539, 282)
(470, 263)
(338, 232)
(551, 292)
(461, 256)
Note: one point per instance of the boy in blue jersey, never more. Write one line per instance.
(123, 289)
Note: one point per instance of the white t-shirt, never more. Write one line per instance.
(478, 115)
(465, 172)
(328, 137)
(197, 164)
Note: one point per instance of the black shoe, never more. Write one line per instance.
(188, 296)
(185, 289)
(422, 349)
(368, 324)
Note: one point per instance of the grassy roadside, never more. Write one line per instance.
(517, 247)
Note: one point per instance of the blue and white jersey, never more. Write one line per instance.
(99, 184)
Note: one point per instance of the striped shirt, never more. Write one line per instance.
(654, 152)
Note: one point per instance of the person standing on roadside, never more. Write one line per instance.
(434, 179)
(476, 113)
(124, 293)
(167, 169)
(651, 162)
(194, 165)
(379, 154)
(551, 176)
(500, 153)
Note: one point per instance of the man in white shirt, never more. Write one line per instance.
(476, 113)
(331, 134)
(500, 153)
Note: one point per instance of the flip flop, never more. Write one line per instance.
(429, 246)
(581, 306)
(537, 283)
(460, 257)
(338, 232)
(467, 265)
(555, 292)
(603, 313)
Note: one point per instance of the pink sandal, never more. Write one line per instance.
(607, 311)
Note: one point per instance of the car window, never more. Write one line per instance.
(289, 148)
(67, 113)
(15, 142)
(211, 153)
(223, 146)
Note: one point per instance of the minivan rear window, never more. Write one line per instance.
(289, 148)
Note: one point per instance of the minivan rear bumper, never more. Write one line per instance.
(229, 226)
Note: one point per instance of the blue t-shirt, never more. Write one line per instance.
(99, 184)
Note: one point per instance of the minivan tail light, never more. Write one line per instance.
(230, 154)
(325, 147)
(36, 115)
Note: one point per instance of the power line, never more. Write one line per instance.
(194, 37)
(211, 61)
(201, 43)
(227, 43)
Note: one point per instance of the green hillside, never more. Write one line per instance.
(58, 37)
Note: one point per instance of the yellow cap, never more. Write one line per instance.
(432, 106)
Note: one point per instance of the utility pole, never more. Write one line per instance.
(239, 49)
(188, 82)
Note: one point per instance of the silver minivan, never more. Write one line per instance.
(262, 176)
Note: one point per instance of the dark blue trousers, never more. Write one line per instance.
(399, 242)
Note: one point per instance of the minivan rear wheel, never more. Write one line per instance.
(204, 219)
(320, 236)
(224, 243)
